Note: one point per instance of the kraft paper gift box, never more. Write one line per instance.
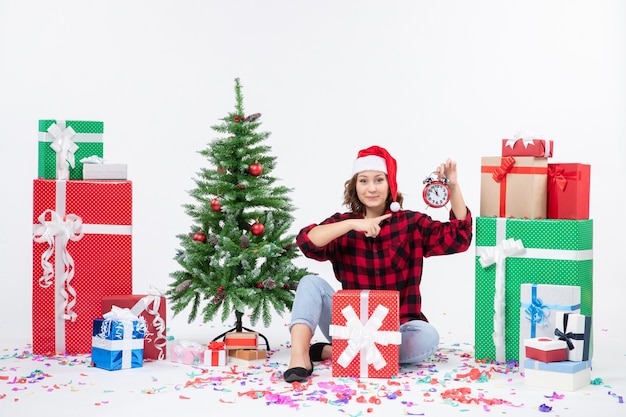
(575, 330)
(545, 349)
(536, 147)
(187, 352)
(67, 140)
(150, 307)
(512, 252)
(513, 187)
(215, 354)
(82, 252)
(568, 191)
(241, 340)
(539, 308)
(557, 376)
(117, 341)
(248, 354)
(365, 333)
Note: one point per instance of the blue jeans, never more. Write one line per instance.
(313, 306)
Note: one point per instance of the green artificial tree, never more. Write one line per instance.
(239, 254)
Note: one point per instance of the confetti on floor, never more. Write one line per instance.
(450, 382)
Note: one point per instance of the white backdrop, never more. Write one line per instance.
(428, 80)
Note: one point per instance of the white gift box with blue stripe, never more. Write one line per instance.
(564, 375)
(118, 340)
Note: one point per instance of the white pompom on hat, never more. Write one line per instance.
(376, 158)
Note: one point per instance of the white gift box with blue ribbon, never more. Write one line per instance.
(118, 340)
(538, 310)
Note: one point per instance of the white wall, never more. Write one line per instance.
(428, 80)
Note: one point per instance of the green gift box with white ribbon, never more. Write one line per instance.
(63, 143)
(511, 252)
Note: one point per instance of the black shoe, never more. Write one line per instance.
(298, 374)
(315, 351)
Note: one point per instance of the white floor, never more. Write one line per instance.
(69, 386)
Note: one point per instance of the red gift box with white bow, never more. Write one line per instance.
(365, 332)
(523, 146)
(82, 252)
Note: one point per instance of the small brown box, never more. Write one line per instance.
(248, 354)
(241, 340)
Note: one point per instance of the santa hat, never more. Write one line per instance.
(376, 158)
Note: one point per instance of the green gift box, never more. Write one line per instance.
(511, 252)
(86, 137)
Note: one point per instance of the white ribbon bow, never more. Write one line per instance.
(64, 147)
(56, 233)
(498, 255)
(123, 338)
(363, 337)
(525, 137)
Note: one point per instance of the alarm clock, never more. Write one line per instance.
(436, 190)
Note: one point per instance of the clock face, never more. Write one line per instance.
(436, 194)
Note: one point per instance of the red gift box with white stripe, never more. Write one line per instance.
(82, 252)
(365, 332)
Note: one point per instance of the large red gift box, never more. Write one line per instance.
(365, 333)
(568, 191)
(527, 147)
(513, 186)
(152, 309)
(82, 252)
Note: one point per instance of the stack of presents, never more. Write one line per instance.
(235, 344)
(82, 299)
(534, 265)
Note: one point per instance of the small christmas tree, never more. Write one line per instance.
(238, 255)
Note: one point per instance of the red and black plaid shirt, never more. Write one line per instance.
(394, 259)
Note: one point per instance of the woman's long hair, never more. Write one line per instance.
(351, 199)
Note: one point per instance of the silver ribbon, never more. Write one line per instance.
(64, 147)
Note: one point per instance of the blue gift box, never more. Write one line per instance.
(117, 344)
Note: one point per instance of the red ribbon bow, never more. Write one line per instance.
(505, 166)
(216, 346)
(557, 176)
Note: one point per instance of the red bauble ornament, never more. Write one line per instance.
(259, 285)
(257, 228)
(199, 237)
(215, 205)
(255, 169)
(220, 289)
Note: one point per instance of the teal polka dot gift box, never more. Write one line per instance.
(511, 252)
